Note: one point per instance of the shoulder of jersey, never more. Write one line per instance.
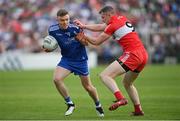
(54, 27)
(121, 17)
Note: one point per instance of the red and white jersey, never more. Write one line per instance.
(122, 30)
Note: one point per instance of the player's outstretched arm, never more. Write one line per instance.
(91, 27)
(94, 41)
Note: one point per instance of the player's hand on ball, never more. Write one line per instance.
(45, 50)
(82, 38)
(49, 44)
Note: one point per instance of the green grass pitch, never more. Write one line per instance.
(31, 95)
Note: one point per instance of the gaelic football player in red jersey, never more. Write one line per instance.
(131, 62)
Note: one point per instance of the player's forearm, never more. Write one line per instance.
(98, 40)
(95, 27)
(93, 40)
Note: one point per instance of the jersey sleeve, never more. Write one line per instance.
(52, 29)
(49, 32)
(110, 29)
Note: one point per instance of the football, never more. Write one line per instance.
(50, 43)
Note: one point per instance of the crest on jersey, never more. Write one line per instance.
(68, 33)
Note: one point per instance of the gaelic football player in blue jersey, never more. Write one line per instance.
(74, 60)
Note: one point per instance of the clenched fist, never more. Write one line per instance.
(82, 38)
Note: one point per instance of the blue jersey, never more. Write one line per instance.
(71, 49)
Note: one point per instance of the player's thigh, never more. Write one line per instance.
(130, 77)
(113, 70)
(60, 73)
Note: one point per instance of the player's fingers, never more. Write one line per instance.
(76, 22)
(80, 36)
(42, 47)
(46, 50)
(81, 33)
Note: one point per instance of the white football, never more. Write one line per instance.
(50, 43)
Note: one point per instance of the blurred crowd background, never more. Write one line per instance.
(24, 23)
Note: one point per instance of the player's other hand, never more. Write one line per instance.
(45, 50)
(78, 23)
(82, 38)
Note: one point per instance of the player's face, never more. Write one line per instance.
(105, 17)
(63, 21)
